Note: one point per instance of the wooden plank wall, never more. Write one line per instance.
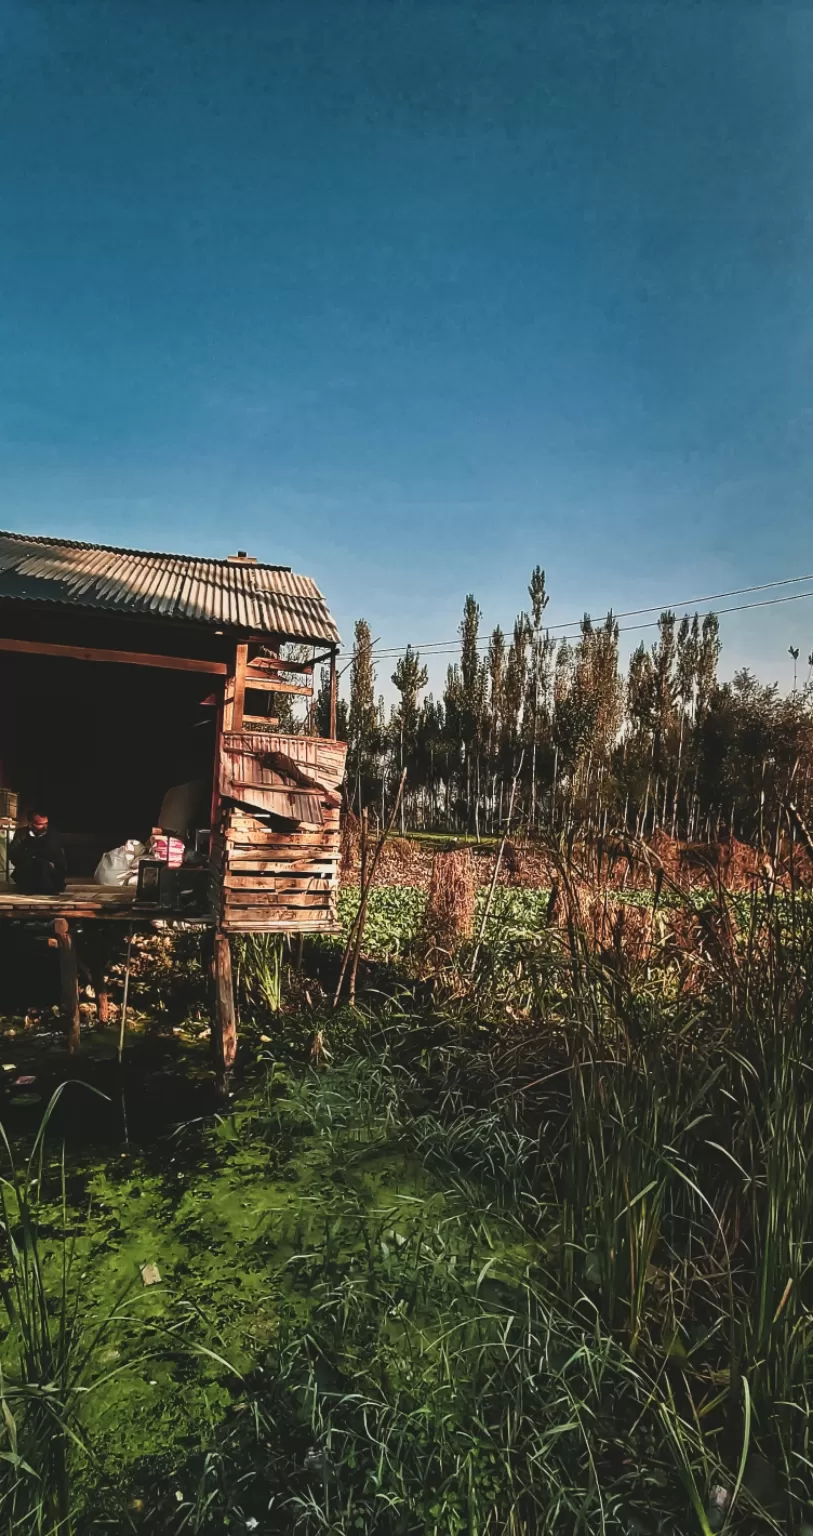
(279, 876)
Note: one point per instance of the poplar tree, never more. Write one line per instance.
(640, 692)
(516, 674)
(321, 710)
(688, 644)
(410, 678)
(536, 701)
(473, 693)
(362, 716)
(664, 684)
(495, 665)
(708, 655)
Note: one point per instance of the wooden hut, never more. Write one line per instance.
(128, 678)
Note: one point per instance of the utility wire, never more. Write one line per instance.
(449, 647)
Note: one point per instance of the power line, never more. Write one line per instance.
(449, 647)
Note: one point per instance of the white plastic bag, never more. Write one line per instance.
(120, 865)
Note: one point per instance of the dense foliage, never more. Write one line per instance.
(669, 745)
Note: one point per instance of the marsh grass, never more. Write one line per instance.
(644, 1117)
(260, 961)
(50, 1352)
(549, 1263)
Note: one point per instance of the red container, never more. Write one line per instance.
(168, 849)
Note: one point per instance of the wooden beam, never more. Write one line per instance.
(259, 921)
(274, 685)
(68, 982)
(225, 1021)
(121, 658)
(333, 694)
(263, 894)
(279, 664)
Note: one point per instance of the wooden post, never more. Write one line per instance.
(68, 982)
(333, 694)
(97, 953)
(234, 696)
(102, 990)
(225, 1021)
(239, 699)
(214, 813)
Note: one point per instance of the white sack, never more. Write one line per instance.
(120, 865)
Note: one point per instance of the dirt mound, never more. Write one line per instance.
(404, 861)
(667, 853)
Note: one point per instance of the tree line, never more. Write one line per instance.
(556, 734)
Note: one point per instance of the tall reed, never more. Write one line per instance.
(48, 1353)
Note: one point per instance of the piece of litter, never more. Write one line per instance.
(179, 1495)
(9, 1066)
(150, 1274)
(719, 1499)
(252, 1523)
(24, 1082)
(266, 1039)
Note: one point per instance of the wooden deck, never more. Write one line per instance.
(83, 899)
(79, 899)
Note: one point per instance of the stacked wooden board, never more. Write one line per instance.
(279, 874)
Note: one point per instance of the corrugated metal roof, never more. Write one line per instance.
(241, 594)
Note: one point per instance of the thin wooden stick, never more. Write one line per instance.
(797, 820)
(357, 925)
(68, 981)
(498, 862)
(357, 949)
(126, 992)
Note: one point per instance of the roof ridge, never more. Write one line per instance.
(152, 554)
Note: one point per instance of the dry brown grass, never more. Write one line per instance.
(450, 907)
(350, 847)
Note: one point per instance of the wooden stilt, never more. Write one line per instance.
(102, 990)
(93, 957)
(98, 977)
(225, 1021)
(126, 993)
(68, 982)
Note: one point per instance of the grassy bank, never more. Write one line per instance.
(535, 1259)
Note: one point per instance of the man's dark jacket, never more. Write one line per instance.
(38, 859)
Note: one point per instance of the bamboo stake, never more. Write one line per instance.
(498, 862)
(357, 948)
(797, 820)
(125, 999)
(357, 925)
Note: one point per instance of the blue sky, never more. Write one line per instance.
(411, 296)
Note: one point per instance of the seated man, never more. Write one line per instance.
(38, 859)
